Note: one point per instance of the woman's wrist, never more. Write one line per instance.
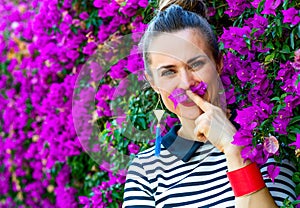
(234, 158)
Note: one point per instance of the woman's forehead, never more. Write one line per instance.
(182, 45)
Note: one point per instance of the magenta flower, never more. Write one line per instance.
(84, 15)
(89, 48)
(291, 15)
(242, 138)
(117, 71)
(273, 172)
(297, 142)
(179, 95)
(133, 148)
(199, 89)
(230, 96)
(84, 200)
(249, 152)
(258, 22)
(270, 6)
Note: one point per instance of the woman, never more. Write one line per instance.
(197, 166)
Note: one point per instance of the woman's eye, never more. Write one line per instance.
(167, 72)
(196, 65)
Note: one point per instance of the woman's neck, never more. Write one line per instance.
(187, 129)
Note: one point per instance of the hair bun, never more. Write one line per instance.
(196, 6)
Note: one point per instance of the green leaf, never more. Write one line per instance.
(296, 177)
(297, 81)
(269, 58)
(295, 119)
(298, 189)
(260, 6)
(296, 202)
(275, 99)
(270, 45)
(220, 12)
(292, 38)
(285, 49)
(285, 4)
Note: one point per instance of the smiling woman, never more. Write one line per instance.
(198, 165)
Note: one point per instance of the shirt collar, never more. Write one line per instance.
(184, 149)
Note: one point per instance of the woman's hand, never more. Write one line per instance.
(213, 124)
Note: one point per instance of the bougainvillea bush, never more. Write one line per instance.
(46, 45)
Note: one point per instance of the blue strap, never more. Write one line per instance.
(157, 141)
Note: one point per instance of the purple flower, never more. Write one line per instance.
(105, 166)
(97, 71)
(133, 148)
(258, 22)
(291, 15)
(135, 63)
(73, 55)
(112, 179)
(84, 15)
(291, 102)
(117, 71)
(84, 200)
(199, 89)
(100, 3)
(121, 176)
(270, 6)
(129, 9)
(89, 48)
(178, 96)
(242, 138)
(143, 3)
(249, 152)
(109, 10)
(273, 172)
(255, 3)
(297, 142)
(230, 96)
(298, 205)
(281, 121)
(103, 108)
(211, 11)
(3, 79)
(246, 116)
(171, 121)
(236, 8)
(234, 38)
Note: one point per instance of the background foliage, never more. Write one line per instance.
(44, 45)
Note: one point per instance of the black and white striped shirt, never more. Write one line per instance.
(190, 174)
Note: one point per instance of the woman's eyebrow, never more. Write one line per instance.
(165, 67)
(195, 58)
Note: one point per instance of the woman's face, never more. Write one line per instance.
(180, 60)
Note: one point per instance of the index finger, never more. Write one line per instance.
(203, 104)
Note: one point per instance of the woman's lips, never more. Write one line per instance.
(188, 103)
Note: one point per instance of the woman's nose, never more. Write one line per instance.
(187, 79)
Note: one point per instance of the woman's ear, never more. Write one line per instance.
(149, 78)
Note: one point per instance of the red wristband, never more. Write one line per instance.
(246, 180)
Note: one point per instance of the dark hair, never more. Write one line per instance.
(172, 18)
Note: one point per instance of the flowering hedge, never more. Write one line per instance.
(45, 45)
